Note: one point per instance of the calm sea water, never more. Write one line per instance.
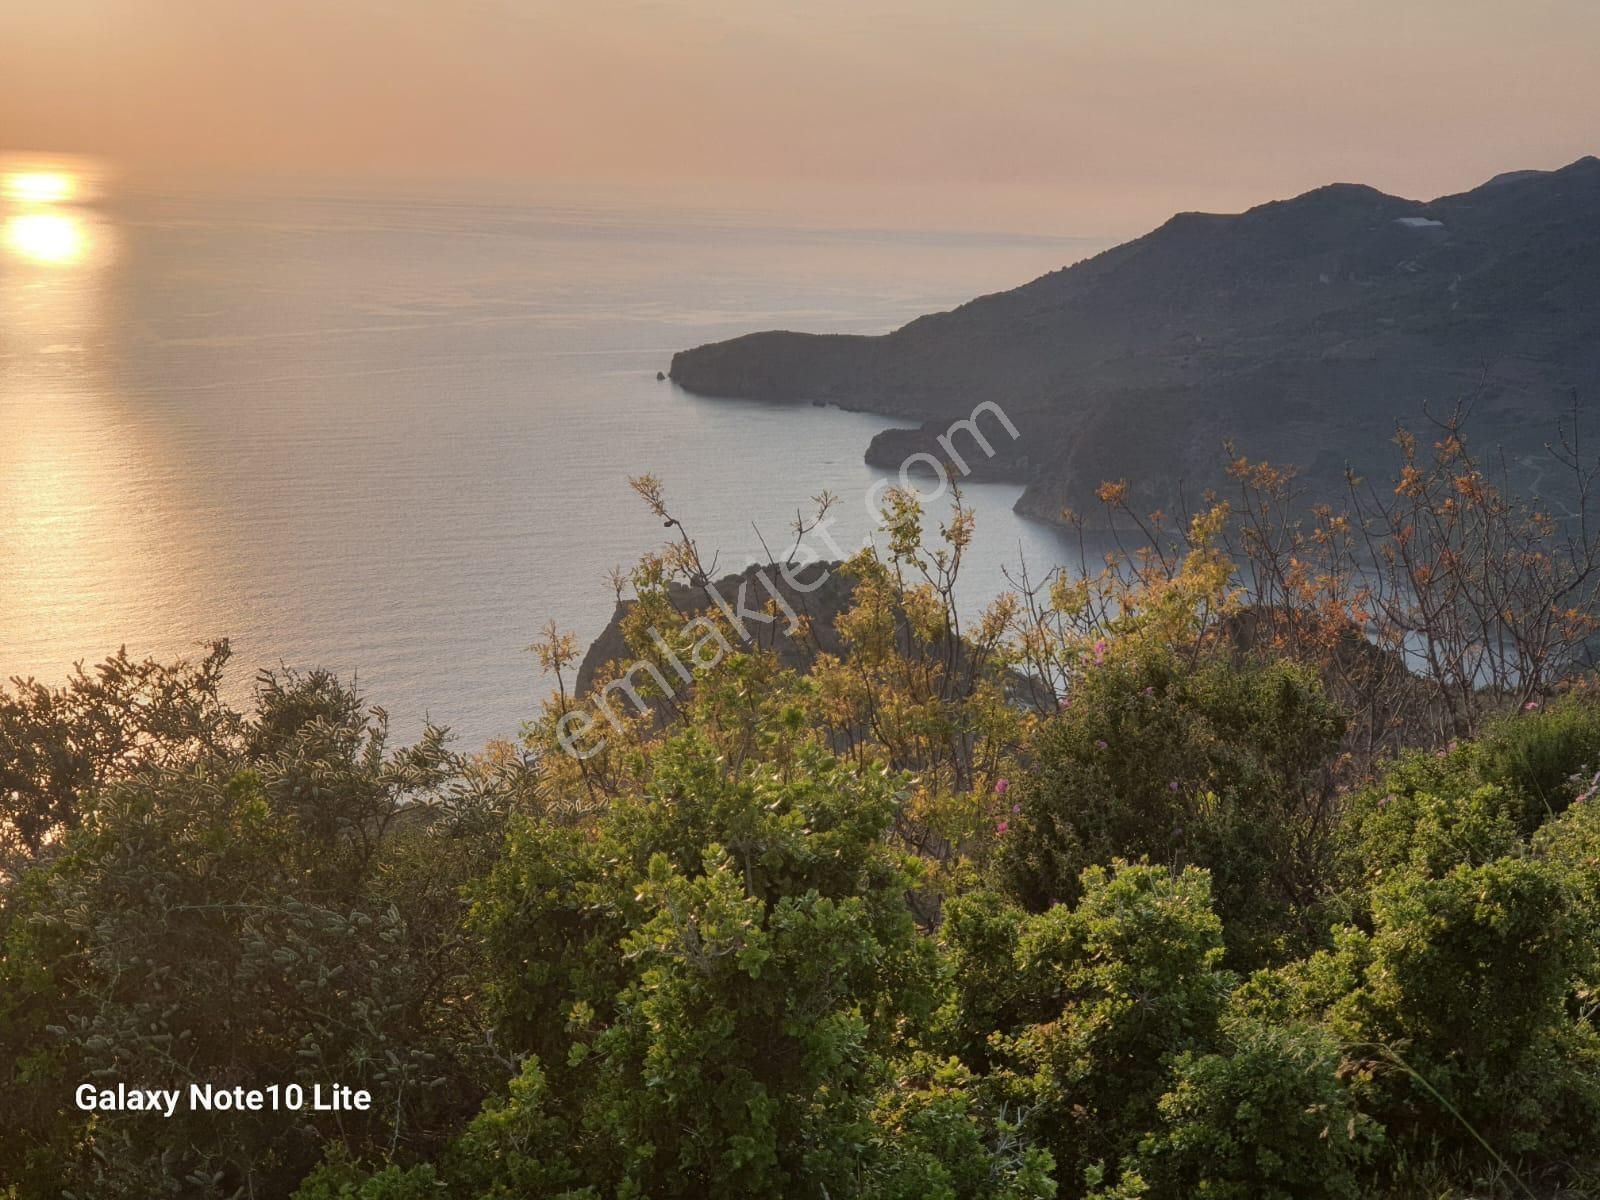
(393, 436)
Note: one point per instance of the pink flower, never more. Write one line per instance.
(1002, 826)
(1149, 691)
(1531, 706)
(1100, 651)
(1172, 786)
(1016, 808)
(1099, 745)
(1000, 786)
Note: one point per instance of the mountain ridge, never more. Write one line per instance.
(1302, 328)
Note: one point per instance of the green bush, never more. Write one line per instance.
(239, 910)
(716, 984)
(1106, 992)
(1267, 1118)
(1546, 757)
(342, 1180)
(979, 940)
(937, 1137)
(1571, 843)
(1474, 802)
(1454, 1012)
(1467, 988)
(515, 1147)
(173, 941)
(59, 747)
(1215, 767)
(724, 962)
(1425, 826)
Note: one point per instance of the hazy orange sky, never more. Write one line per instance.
(1057, 115)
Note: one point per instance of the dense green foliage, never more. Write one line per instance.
(281, 907)
(726, 977)
(889, 929)
(1218, 767)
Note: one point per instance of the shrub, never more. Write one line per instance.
(1267, 1118)
(1545, 757)
(1217, 767)
(1468, 981)
(734, 951)
(172, 941)
(209, 920)
(61, 746)
(1571, 843)
(1425, 826)
(1474, 802)
(1106, 992)
(342, 1180)
(1453, 1012)
(980, 938)
(516, 1147)
(938, 1138)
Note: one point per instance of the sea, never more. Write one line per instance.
(390, 433)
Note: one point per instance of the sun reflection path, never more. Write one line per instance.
(96, 545)
(41, 224)
(39, 187)
(47, 237)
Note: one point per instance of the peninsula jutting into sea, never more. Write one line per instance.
(1302, 330)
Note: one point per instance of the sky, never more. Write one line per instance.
(1055, 116)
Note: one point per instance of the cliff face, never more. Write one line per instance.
(1301, 329)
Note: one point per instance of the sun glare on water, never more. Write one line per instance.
(40, 187)
(40, 223)
(46, 237)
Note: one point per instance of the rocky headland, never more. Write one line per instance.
(1302, 330)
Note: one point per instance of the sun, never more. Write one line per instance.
(53, 238)
(39, 187)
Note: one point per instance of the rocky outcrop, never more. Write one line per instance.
(1301, 329)
(894, 449)
(818, 592)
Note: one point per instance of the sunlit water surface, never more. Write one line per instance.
(393, 436)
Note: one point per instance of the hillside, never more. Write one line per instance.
(1302, 329)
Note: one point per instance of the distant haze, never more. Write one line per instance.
(1052, 115)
